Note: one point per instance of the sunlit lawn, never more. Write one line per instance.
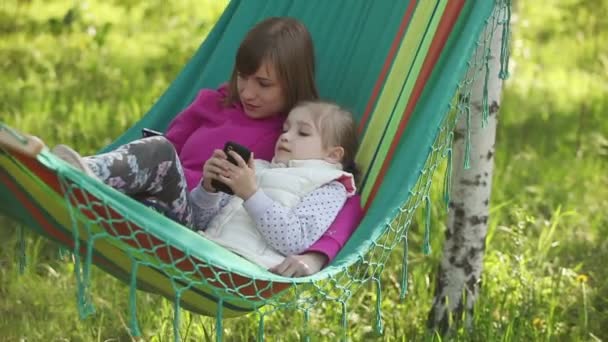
(66, 76)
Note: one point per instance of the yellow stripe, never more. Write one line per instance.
(393, 85)
(432, 18)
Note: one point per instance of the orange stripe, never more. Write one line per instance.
(387, 64)
(450, 16)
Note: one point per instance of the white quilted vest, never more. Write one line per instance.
(234, 229)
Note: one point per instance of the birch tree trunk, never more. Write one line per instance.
(459, 276)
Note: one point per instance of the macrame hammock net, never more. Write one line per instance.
(406, 68)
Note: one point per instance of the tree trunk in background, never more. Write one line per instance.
(458, 280)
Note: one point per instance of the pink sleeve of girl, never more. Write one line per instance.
(190, 118)
(340, 230)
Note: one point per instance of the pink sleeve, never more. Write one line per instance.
(264, 146)
(189, 119)
(340, 230)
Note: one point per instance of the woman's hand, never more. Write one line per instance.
(241, 177)
(300, 265)
(214, 166)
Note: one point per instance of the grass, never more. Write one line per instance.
(64, 66)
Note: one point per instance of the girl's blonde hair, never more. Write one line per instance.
(337, 127)
(287, 45)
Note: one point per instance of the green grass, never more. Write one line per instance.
(64, 66)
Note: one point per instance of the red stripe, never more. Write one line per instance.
(449, 18)
(387, 64)
(40, 217)
(139, 238)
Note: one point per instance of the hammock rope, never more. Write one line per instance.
(423, 85)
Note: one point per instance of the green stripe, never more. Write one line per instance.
(400, 72)
(429, 29)
(390, 91)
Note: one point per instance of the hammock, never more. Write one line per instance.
(399, 64)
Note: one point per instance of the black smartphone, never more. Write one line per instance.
(241, 151)
(146, 132)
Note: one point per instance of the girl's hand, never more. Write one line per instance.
(213, 167)
(300, 265)
(241, 177)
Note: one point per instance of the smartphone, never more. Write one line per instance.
(241, 151)
(146, 132)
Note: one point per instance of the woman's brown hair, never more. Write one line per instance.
(287, 45)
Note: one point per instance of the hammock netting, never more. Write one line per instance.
(405, 66)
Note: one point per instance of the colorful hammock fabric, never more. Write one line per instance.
(398, 64)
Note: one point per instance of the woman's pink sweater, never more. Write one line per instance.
(207, 124)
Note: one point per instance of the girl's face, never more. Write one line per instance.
(261, 93)
(301, 139)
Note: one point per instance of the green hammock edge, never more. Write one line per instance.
(357, 243)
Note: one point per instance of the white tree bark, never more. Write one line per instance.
(459, 276)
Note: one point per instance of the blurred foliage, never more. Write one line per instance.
(103, 62)
(562, 46)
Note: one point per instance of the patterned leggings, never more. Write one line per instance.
(147, 169)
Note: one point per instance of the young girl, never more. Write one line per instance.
(274, 69)
(282, 207)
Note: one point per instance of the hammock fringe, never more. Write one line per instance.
(133, 324)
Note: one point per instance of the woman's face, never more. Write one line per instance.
(261, 93)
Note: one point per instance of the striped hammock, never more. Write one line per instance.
(399, 64)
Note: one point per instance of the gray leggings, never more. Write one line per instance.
(148, 170)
